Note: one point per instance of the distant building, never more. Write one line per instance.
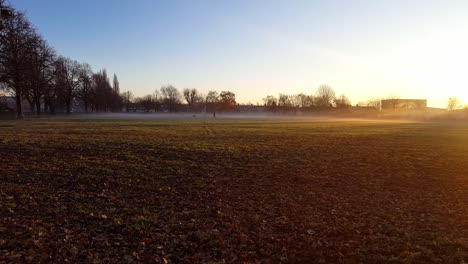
(404, 104)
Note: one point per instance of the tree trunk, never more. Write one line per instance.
(38, 107)
(37, 101)
(68, 106)
(31, 107)
(52, 108)
(19, 107)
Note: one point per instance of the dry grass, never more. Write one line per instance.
(293, 192)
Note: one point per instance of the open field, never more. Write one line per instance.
(208, 191)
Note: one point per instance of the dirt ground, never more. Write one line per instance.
(234, 191)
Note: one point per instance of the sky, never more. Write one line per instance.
(363, 49)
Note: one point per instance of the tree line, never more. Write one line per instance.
(169, 99)
(324, 98)
(33, 72)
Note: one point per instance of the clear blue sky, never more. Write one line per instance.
(375, 48)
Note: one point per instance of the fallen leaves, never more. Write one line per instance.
(251, 192)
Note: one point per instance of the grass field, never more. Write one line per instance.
(201, 192)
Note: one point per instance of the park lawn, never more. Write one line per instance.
(258, 191)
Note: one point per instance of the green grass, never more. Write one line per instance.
(267, 191)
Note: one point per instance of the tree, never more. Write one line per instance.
(52, 91)
(271, 103)
(40, 73)
(157, 98)
(30, 70)
(284, 102)
(193, 98)
(127, 99)
(325, 96)
(307, 101)
(69, 71)
(103, 99)
(212, 101)
(342, 102)
(15, 39)
(106, 98)
(227, 100)
(295, 101)
(375, 102)
(116, 85)
(171, 97)
(147, 102)
(85, 88)
(453, 104)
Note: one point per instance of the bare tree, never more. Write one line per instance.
(85, 87)
(284, 102)
(453, 104)
(296, 101)
(40, 73)
(147, 102)
(227, 100)
(171, 97)
(30, 70)
(325, 96)
(342, 102)
(375, 102)
(158, 100)
(127, 98)
(271, 103)
(5, 13)
(15, 39)
(193, 98)
(212, 101)
(69, 70)
(307, 101)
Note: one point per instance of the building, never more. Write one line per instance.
(404, 104)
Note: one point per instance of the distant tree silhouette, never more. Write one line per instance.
(325, 96)
(307, 101)
(106, 98)
(295, 102)
(171, 97)
(227, 100)
(85, 88)
(40, 72)
(193, 99)
(453, 104)
(342, 102)
(212, 101)
(271, 103)
(284, 102)
(115, 84)
(147, 102)
(375, 102)
(127, 99)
